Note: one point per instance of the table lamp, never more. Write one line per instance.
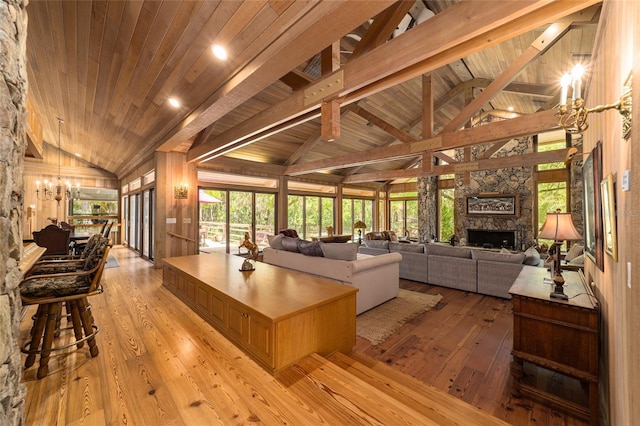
(359, 225)
(559, 227)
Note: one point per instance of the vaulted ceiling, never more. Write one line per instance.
(382, 69)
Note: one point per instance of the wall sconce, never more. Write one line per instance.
(181, 191)
(574, 120)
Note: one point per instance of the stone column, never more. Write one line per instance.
(13, 89)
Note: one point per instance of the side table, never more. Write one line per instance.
(558, 335)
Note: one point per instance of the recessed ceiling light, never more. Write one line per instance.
(78, 154)
(219, 52)
(174, 102)
(510, 108)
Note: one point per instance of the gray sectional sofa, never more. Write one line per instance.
(463, 268)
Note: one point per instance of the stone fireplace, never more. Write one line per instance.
(491, 239)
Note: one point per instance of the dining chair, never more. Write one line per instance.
(55, 239)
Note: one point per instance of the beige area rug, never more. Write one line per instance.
(377, 324)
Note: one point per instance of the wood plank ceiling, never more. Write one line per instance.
(109, 68)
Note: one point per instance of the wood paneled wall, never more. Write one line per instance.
(73, 169)
(615, 55)
(176, 229)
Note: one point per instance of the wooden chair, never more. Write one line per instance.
(49, 292)
(68, 263)
(55, 239)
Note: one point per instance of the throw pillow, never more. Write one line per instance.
(310, 248)
(275, 241)
(497, 257)
(575, 251)
(290, 244)
(340, 251)
(531, 257)
(577, 261)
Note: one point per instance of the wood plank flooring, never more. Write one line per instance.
(160, 363)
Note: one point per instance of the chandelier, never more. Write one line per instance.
(573, 117)
(58, 192)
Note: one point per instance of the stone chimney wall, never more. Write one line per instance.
(13, 89)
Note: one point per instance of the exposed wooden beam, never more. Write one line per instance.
(522, 126)
(428, 110)
(296, 79)
(383, 26)
(314, 30)
(444, 157)
(494, 148)
(539, 46)
(330, 121)
(406, 57)
(383, 125)
(523, 160)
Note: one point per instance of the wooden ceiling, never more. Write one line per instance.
(109, 68)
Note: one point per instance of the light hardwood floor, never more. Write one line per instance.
(160, 363)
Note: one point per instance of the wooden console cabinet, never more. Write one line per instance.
(275, 315)
(558, 335)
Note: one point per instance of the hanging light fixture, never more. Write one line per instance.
(59, 192)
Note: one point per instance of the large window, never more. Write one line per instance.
(354, 210)
(226, 216)
(310, 215)
(403, 214)
(552, 191)
(446, 205)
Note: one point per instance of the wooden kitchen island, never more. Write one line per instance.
(275, 315)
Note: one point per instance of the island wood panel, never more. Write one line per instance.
(276, 315)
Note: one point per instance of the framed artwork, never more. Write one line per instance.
(609, 216)
(592, 176)
(503, 205)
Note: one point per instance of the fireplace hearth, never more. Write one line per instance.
(491, 239)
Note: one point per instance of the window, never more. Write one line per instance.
(403, 214)
(446, 209)
(551, 196)
(310, 215)
(225, 216)
(353, 210)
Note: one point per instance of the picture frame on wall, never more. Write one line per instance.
(500, 205)
(609, 216)
(592, 176)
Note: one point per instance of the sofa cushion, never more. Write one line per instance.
(290, 244)
(497, 257)
(381, 244)
(406, 247)
(441, 250)
(310, 248)
(577, 261)
(275, 241)
(531, 257)
(340, 251)
(391, 236)
(375, 235)
(575, 251)
(292, 233)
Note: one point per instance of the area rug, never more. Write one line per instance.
(377, 324)
(111, 262)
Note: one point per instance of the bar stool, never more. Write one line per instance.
(49, 292)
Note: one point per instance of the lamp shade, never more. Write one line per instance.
(559, 226)
(359, 225)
